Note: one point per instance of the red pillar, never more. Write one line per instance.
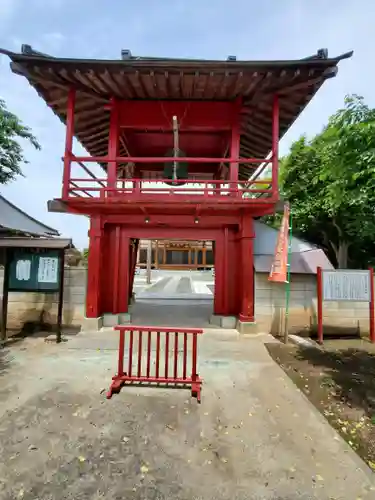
(113, 141)
(219, 275)
(93, 303)
(235, 143)
(124, 272)
(275, 147)
(68, 142)
(116, 274)
(247, 270)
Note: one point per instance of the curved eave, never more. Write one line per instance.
(256, 82)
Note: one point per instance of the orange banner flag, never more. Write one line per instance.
(279, 269)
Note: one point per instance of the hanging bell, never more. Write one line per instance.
(178, 173)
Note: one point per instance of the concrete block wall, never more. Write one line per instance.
(24, 308)
(338, 317)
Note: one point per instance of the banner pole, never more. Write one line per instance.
(287, 283)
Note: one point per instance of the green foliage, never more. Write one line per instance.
(11, 153)
(330, 184)
(85, 254)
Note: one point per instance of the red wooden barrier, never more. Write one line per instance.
(140, 369)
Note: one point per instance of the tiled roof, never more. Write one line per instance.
(13, 218)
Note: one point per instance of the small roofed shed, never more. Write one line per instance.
(21, 232)
(13, 221)
(146, 78)
(305, 258)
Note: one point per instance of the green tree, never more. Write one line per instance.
(85, 254)
(12, 131)
(330, 183)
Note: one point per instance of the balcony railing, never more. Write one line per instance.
(90, 187)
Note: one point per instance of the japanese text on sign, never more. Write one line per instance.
(47, 270)
(346, 285)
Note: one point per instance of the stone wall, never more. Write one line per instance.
(26, 308)
(338, 317)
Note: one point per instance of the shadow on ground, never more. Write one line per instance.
(352, 372)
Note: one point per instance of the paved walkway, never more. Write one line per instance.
(255, 436)
(174, 298)
(175, 285)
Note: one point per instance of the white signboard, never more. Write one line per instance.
(346, 285)
(47, 270)
(23, 270)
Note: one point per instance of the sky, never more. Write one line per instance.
(211, 29)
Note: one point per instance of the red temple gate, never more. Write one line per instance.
(184, 146)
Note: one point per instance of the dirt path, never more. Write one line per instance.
(254, 436)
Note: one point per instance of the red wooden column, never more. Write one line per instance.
(116, 256)
(235, 143)
(219, 256)
(93, 302)
(247, 270)
(275, 147)
(113, 142)
(68, 142)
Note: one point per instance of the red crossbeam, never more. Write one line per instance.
(143, 369)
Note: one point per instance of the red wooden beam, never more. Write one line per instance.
(195, 168)
(88, 171)
(68, 141)
(163, 220)
(163, 159)
(157, 115)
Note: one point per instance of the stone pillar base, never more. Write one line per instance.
(91, 324)
(110, 319)
(124, 318)
(247, 327)
(223, 321)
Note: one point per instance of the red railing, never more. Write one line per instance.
(153, 361)
(141, 187)
(91, 186)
